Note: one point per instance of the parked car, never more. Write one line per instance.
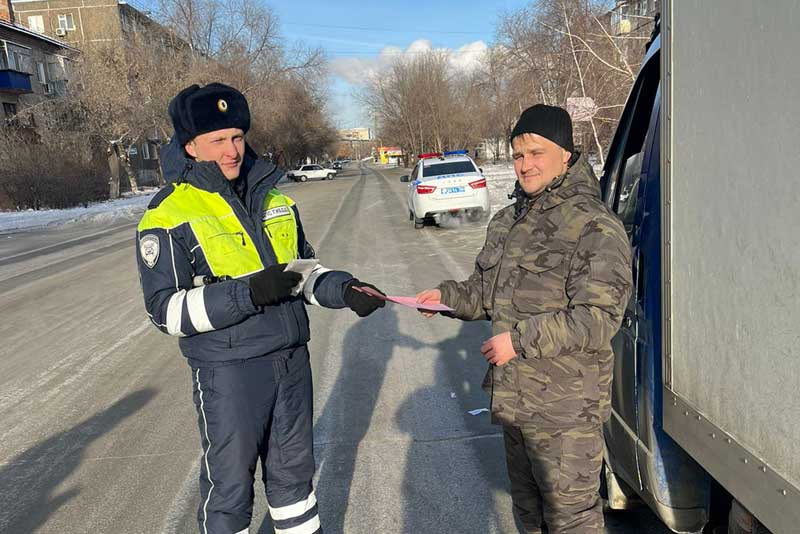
(337, 165)
(446, 183)
(306, 172)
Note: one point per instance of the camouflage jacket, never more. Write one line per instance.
(556, 274)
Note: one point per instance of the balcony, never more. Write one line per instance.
(12, 81)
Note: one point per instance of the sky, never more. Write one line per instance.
(362, 36)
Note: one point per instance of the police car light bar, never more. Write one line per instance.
(430, 155)
(456, 153)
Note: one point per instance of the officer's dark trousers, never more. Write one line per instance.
(555, 477)
(249, 410)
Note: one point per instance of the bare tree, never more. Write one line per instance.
(423, 105)
(567, 50)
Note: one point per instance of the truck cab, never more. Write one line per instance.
(641, 459)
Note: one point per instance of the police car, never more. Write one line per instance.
(448, 183)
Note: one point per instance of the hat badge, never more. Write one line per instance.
(222, 105)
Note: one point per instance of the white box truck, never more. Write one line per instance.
(704, 170)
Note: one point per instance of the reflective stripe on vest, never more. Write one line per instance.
(228, 249)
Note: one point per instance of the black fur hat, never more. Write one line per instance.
(197, 110)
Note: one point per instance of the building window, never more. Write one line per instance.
(36, 23)
(145, 150)
(41, 74)
(66, 22)
(15, 58)
(9, 109)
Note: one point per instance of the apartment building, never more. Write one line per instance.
(83, 22)
(33, 67)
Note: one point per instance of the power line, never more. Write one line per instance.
(375, 28)
(373, 54)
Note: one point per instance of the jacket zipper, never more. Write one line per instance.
(513, 369)
(259, 234)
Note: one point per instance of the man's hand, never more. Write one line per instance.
(362, 303)
(499, 350)
(429, 296)
(272, 284)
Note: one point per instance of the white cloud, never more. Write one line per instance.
(357, 70)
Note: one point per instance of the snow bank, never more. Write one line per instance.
(500, 180)
(130, 206)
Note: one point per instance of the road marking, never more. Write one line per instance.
(63, 244)
(18, 281)
(41, 391)
(103, 458)
(175, 519)
(407, 440)
(335, 215)
(449, 262)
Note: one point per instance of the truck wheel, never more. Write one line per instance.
(302, 178)
(741, 521)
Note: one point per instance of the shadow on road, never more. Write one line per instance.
(366, 350)
(453, 474)
(30, 481)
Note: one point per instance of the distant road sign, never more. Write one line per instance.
(581, 108)
(355, 134)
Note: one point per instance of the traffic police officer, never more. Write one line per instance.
(554, 277)
(212, 249)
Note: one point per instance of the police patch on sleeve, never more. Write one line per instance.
(149, 248)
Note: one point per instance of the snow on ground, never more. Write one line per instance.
(129, 206)
(500, 180)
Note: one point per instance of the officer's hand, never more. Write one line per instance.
(273, 284)
(360, 302)
(499, 350)
(429, 296)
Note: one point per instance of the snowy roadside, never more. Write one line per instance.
(500, 180)
(129, 206)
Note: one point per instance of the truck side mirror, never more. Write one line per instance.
(405, 178)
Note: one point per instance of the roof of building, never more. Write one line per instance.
(36, 35)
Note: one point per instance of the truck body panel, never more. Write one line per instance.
(731, 213)
(707, 375)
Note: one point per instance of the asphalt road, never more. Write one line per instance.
(97, 425)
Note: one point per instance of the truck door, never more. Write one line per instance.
(622, 192)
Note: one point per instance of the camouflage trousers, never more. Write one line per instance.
(555, 478)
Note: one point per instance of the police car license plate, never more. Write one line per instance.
(451, 190)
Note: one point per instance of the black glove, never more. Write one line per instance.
(273, 284)
(362, 303)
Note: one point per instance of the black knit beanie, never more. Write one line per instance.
(551, 122)
(197, 110)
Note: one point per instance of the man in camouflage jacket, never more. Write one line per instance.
(554, 279)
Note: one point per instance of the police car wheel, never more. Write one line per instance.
(475, 215)
(418, 223)
(302, 178)
(330, 177)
